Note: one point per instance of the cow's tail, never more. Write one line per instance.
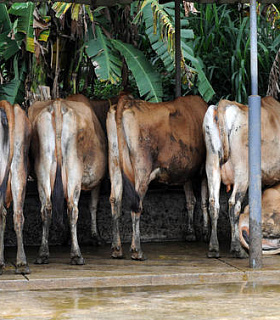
(224, 135)
(6, 153)
(124, 152)
(58, 192)
(244, 228)
(131, 194)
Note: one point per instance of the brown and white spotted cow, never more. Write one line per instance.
(148, 141)
(69, 150)
(15, 133)
(270, 222)
(226, 136)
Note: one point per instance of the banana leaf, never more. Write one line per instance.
(24, 12)
(147, 79)
(103, 56)
(14, 91)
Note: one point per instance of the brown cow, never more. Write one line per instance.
(69, 148)
(100, 107)
(150, 141)
(270, 222)
(226, 136)
(15, 133)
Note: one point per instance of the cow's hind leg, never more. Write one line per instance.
(94, 198)
(18, 184)
(136, 251)
(46, 214)
(214, 182)
(3, 214)
(116, 208)
(235, 201)
(190, 204)
(204, 208)
(21, 264)
(73, 213)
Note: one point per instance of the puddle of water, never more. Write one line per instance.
(245, 300)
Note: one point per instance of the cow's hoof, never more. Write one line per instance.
(213, 254)
(240, 254)
(117, 253)
(42, 260)
(22, 269)
(190, 237)
(138, 255)
(77, 261)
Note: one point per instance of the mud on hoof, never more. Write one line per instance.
(42, 260)
(77, 261)
(117, 253)
(22, 269)
(213, 254)
(138, 255)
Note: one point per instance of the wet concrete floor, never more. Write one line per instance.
(177, 281)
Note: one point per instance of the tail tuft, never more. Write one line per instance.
(58, 199)
(131, 194)
(245, 236)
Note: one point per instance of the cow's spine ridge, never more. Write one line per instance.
(58, 193)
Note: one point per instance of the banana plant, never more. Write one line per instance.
(16, 35)
(160, 29)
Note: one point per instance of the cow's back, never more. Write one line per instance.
(168, 133)
(64, 130)
(270, 134)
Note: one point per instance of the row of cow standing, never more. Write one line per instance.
(69, 144)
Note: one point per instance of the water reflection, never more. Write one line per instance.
(246, 300)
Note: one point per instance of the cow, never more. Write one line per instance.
(270, 222)
(70, 154)
(100, 107)
(15, 131)
(225, 129)
(148, 141)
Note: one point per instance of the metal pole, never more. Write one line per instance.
(177, 49)
(255, 222)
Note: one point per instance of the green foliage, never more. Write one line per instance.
(14, 91)
(222, 41)
(160, 29)
(106, 60)
(104, 91)
(24, 14)
(147, 79)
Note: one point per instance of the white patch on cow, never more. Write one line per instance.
(211, 131)
(231, 115)
(113, 154)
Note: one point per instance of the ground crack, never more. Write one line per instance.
(231, 265)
